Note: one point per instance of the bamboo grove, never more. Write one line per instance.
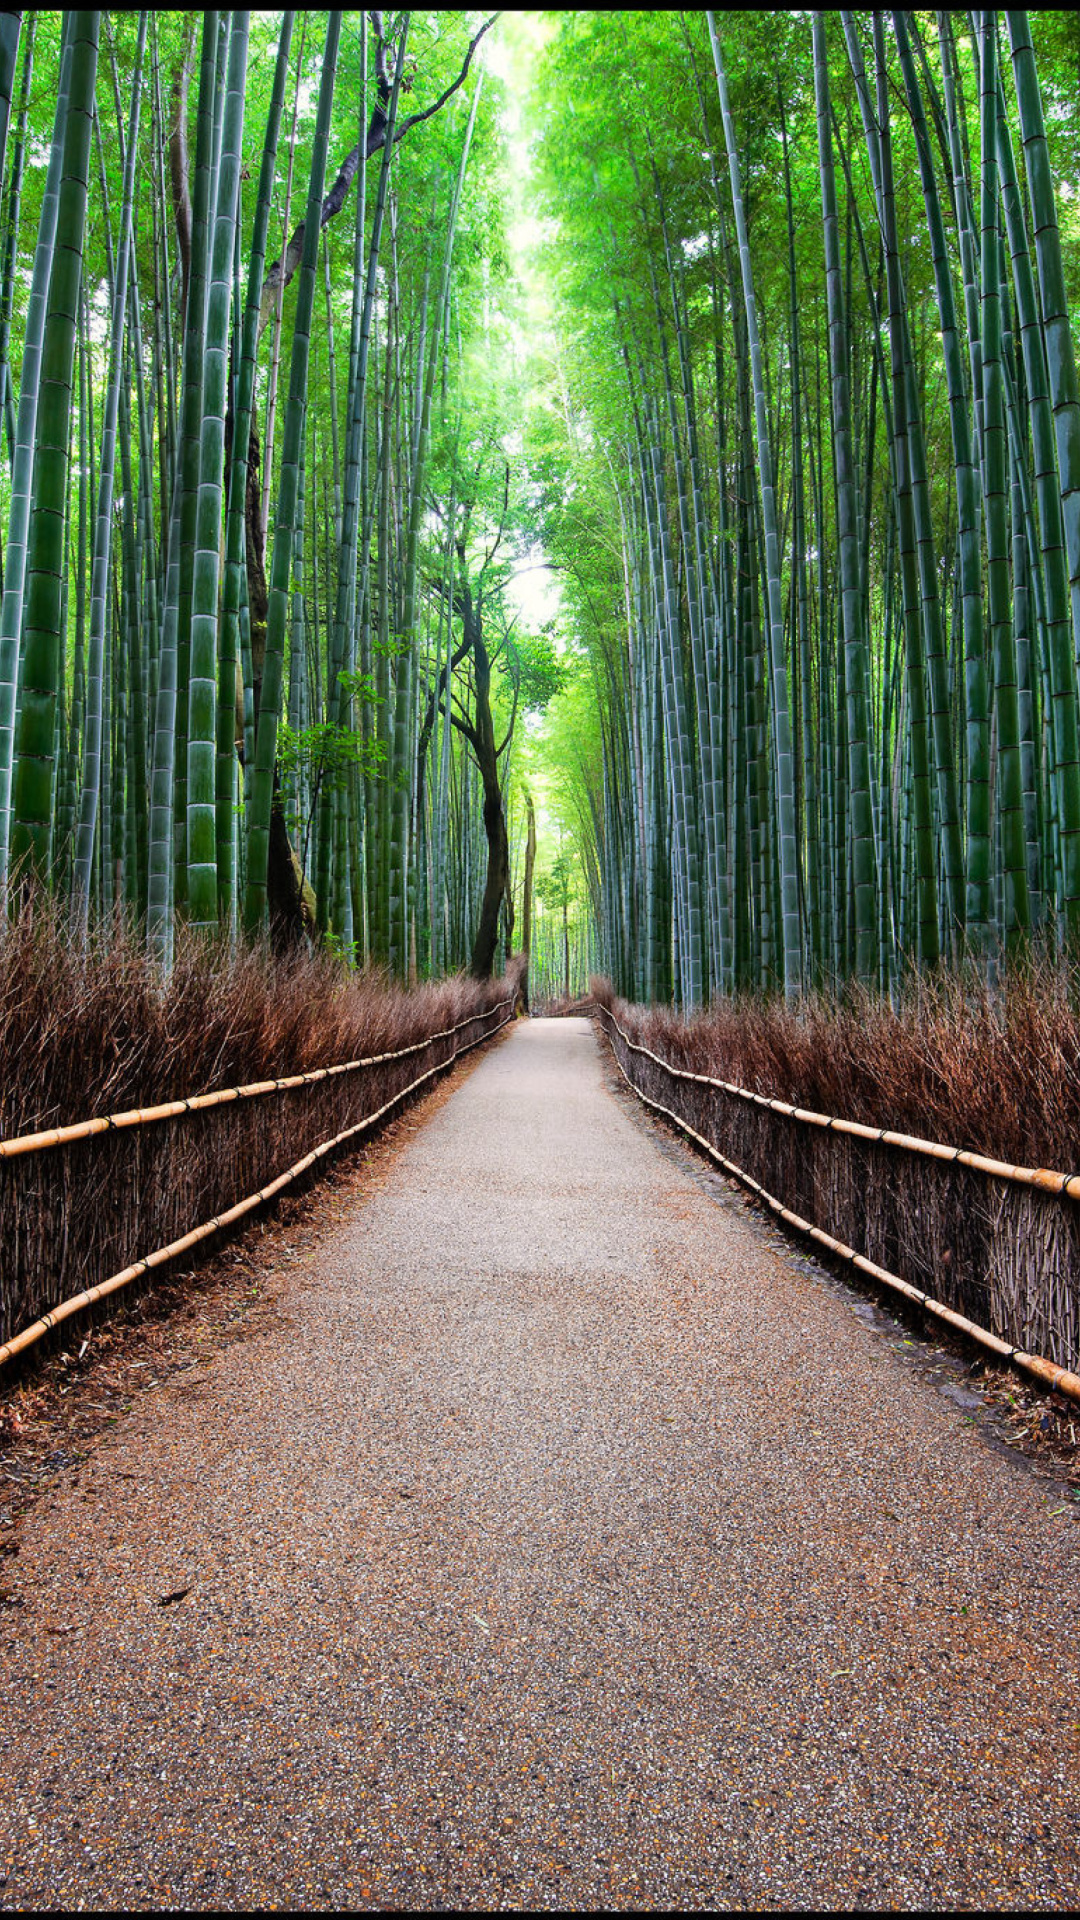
(798, 429)
(818, 391)
(253, 665)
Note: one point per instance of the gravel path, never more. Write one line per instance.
(569, 1547)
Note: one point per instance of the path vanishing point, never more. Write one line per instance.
(566, 1544)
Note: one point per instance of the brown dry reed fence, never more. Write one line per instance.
(995, 1075)
(98, 1031)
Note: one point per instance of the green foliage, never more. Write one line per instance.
(536, 670)
(557, 887)
(638, 249)
(591, 420)
(322, 755)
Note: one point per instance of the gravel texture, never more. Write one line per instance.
(564, 1544)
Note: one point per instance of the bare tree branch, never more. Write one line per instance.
(379, 30)
(415, 118)
(497, 542)
(281, 272)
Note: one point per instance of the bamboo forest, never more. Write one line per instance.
(539, 961)
(601, 485)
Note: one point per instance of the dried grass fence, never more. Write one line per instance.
(80, 1202)
(985, 1244)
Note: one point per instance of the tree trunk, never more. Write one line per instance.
(482, 964)
(289, 905)
(481, 736)
(527, 894)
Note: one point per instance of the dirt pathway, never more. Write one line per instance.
(564, 1545)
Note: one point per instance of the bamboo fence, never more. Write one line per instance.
(990, 1248)
(75, 1200)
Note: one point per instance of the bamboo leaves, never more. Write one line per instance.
(905, 629)
(806, 459)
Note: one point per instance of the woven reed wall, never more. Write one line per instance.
(1005, 1255)
(72, 1215)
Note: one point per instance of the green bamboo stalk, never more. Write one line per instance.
(103, 524)
(60, 849)
(10, 24)
(279, 299)
(160, 861)
(359, 356)
(117, 730)
(969, 503)
(941, 729)
(1016, 911)
(782, 744)
(856, 639)
(906, 441)
(14, 196)
(164, 370)
(78, 692)
(963, 207)
(191, 415)
(376, 798)
(262, 782)
(41, 665)
(1023, 548)
(202, 824)
(232, 648)
(403, 705)
(134, 629)
(1056, 324)
(15, 556)
(1058, 663)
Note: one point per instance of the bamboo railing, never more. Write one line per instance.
(995, 1238)
(178, 1169)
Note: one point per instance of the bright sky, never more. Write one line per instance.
(510, 50)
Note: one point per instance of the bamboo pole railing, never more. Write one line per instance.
(1047, 1372)
(1049, 1181)
(200, 1102)
(29, 1143)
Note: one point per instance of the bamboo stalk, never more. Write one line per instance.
(16, 548)
(260, 797)
(39, 667)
